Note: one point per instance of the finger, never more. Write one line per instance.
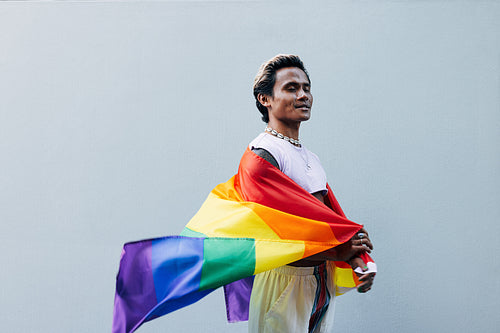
(364, 287)
(357, 262)
(364, 242)
(363, 284)
(364, 230)
(364, 277)
(367, 277)
(367, 285)
(366, 237)
(364, 290)
(360, 248)
(368, 243)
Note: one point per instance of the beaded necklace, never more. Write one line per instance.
(283, 137)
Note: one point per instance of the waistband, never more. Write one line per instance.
(294, 270)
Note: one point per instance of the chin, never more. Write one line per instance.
(306, 117)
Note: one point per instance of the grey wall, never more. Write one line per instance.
(118, 118)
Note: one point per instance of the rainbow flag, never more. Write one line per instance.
(258, 220)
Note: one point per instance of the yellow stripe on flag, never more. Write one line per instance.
(269, 254)
(344, 278)
(224, 218)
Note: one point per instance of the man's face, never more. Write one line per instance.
(292, 99)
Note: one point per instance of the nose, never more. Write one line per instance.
(302, 94)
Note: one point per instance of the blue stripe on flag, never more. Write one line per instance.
(176, 263)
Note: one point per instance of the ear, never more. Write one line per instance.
(264, 100)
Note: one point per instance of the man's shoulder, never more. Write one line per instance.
(273, 146)
(266, 155)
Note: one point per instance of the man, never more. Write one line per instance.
(296, 297)
(266, 216)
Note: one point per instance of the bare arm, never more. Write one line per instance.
(266, 155)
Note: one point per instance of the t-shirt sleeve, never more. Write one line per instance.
(263, 142)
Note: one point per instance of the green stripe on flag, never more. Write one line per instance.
(191, 233)
(226, 260)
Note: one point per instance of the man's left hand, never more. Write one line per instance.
(366, 279)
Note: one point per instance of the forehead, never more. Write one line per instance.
(291, 74)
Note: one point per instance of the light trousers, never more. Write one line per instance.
(283, 299)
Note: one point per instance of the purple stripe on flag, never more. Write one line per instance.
(237, 296)
(156, 277)
(135, 293)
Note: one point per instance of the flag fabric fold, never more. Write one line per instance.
(258, 220)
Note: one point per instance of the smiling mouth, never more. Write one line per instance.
(303, 107)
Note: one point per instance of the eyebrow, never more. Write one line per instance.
(295, 83)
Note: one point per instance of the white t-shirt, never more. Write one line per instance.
(298, 163)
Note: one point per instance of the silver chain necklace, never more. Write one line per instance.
(283, 137)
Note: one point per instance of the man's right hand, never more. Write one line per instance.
(349, 249)
(342, 252)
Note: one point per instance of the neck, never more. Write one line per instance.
(290, 130)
